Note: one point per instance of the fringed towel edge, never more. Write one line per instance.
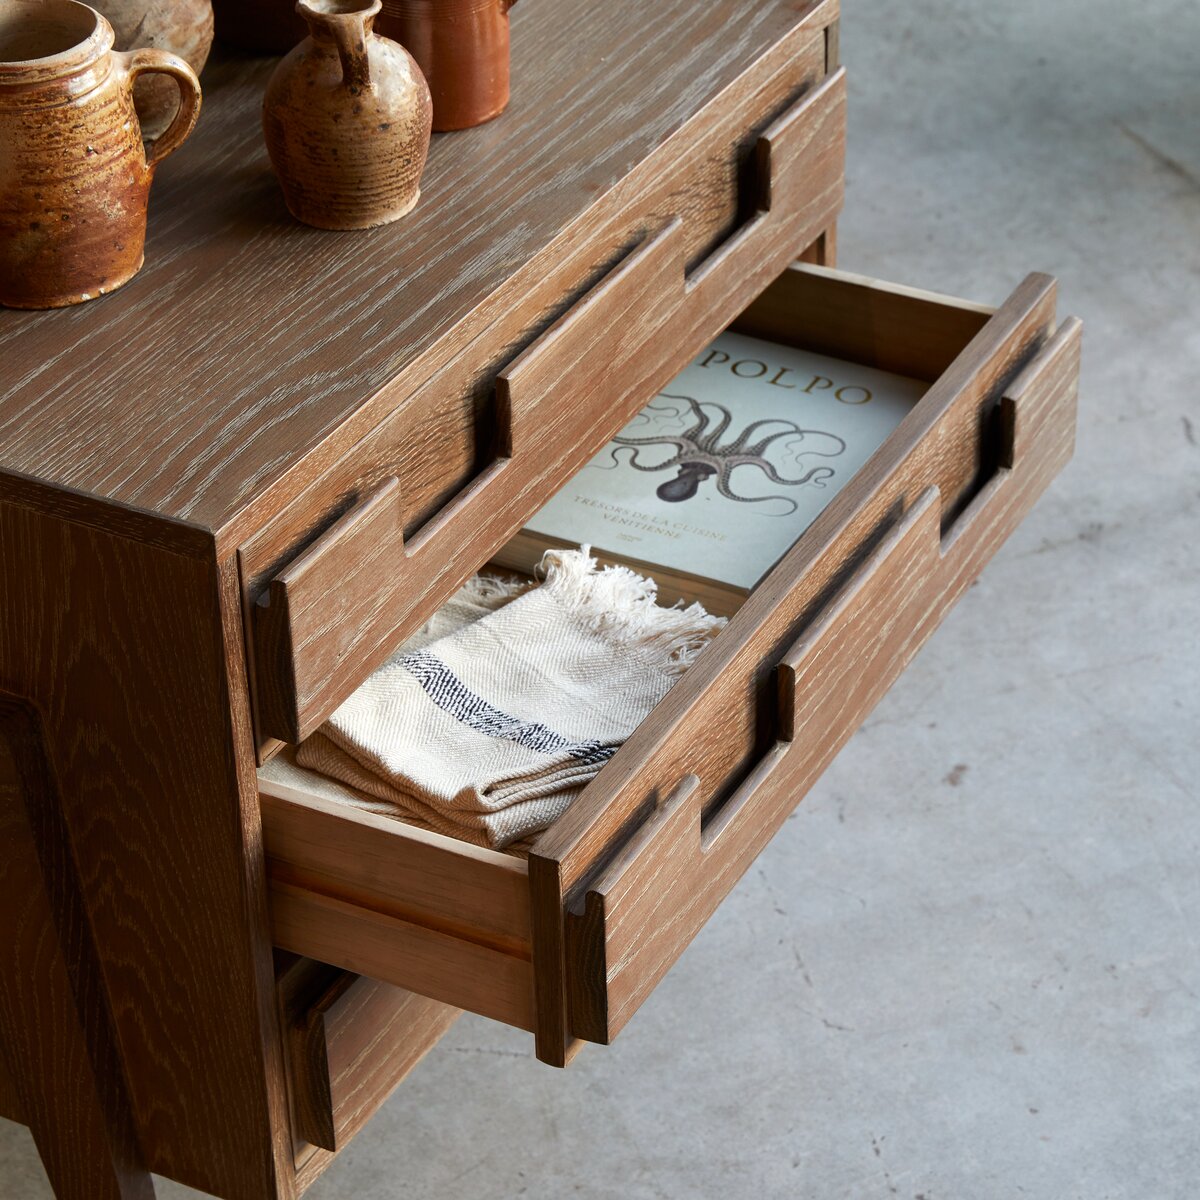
(621, 606)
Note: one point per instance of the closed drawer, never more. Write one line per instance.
(747, 191)
(349, 1041)
(568, 942)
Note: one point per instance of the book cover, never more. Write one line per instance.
(722, 471)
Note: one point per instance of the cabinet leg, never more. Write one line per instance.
(823, 252)
(55, 1034)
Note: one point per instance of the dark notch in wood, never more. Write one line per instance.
(10, 1101)
(833, 58)
(996, 439)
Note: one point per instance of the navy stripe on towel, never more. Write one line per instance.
(452, 696)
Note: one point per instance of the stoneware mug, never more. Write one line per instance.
(75, 176)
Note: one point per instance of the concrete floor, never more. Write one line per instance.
(969, 966)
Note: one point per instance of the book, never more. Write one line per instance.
(719, 475)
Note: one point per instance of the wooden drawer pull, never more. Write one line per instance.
(656, 895)
(800, 169)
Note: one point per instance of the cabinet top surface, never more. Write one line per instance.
(247, 337)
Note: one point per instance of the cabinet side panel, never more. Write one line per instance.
(121, 647)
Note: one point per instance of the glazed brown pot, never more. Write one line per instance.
(462, 47)
(184, 27)
(347, 117)
(76, 177)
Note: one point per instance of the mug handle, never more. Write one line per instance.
(139, 62)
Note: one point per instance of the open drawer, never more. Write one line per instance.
(568, 942)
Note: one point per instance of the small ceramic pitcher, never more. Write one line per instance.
(462, 47)
(346, 118)
(76, 177)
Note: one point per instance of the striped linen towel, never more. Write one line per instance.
(490, 732)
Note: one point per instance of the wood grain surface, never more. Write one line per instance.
(493, 981)
(407, 906)
(202, 388)
(123, 648)
(390, 865)
(914, 332)
(11, 1108)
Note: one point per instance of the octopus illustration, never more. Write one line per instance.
(699, 454)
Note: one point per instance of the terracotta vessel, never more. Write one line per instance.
(347, 117)
(261, 26)
(184, 27)
(75, 177)
(462, 46)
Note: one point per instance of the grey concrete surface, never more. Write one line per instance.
(969, 966)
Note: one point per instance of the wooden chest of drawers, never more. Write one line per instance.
(229, 491)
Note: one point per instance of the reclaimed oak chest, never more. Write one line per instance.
(230, 490)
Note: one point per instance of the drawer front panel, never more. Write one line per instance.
(335, 613)
(637, 917)
(405, 906)
(425, 426)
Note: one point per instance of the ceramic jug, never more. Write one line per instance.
(184, 27)
(76, 176)
(462, 47)
(346, 118)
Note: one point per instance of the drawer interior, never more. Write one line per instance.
(567, 939)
